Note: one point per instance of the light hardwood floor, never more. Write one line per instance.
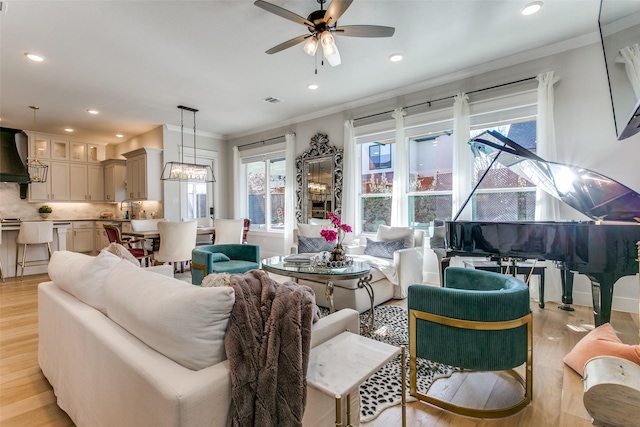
(26, 398)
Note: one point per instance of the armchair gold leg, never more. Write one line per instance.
(526, 382)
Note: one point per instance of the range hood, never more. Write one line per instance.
(12, 165)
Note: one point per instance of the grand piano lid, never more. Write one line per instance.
(593, 194)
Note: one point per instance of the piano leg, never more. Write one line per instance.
(602, 295)
(566, 277)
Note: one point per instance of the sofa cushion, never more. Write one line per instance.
(121, 252)
(602, 341)
(311, 230)
(383, 249)
(235, 266)
(387, 234)
(219, 257)
(82, 275)
(314, 244)
(185, 323)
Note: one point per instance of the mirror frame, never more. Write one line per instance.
(319, 149)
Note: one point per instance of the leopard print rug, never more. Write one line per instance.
(383, 389)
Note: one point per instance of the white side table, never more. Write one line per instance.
(337, 367)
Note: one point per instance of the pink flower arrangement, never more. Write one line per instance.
(337, 233)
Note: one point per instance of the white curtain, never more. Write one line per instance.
(350, 181)
(400, 173)
(631, 58)
(461, 185)
(289, 191)
(237, 202)
(547, 207)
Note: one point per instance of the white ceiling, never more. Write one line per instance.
(135, 61)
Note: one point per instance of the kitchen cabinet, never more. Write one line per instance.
(144, 167)
(56, 188)
(115, 172)
(80, 237)
(86, 183)
(78, 152)
(59, 149)
(40, 148)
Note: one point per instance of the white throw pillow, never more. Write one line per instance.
(186, 323)
(311, 230)
(387, 234)
(82, 275)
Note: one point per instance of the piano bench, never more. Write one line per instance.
(524, 268)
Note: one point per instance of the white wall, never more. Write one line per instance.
(584, 131)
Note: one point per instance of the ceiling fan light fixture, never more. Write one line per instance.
(311, 45)
(335, 58)
(328, 44)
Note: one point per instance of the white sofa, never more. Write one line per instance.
(390, 277)
(111, 347)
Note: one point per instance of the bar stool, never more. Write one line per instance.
(33, 233)
(1, 272)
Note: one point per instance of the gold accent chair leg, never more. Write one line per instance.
(338, 411)
(24, 258)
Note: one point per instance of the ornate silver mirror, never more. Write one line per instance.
(319, 180)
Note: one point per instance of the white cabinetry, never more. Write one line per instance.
(56, 188)
(144, 167)
(101, 239)
(80, 237)
(86, 183)
(114, 178)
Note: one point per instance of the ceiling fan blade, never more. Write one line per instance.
(335, 10)
(284, 13)
(288, 44)
(365, 31)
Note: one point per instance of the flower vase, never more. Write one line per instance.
(44, 215)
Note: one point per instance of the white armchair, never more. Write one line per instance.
(391, 273)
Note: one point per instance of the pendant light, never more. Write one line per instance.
(37, 169)
(181, 171)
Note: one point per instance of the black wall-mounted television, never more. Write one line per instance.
(619, 24)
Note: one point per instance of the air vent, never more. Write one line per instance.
(272, 100)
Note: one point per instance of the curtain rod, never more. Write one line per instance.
(261, 141)
(448, 97)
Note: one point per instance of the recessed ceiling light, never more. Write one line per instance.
(312, 86)
(396, 57)
(119, 135)
(34, 56)
(531, 8)
(68, 130)
(92, 111)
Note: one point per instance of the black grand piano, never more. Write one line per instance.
(604, 248)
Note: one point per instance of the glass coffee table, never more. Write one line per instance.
(305, 270)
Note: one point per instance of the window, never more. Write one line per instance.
(503, 195)
(197, 206)
(376, 184)
(265, 184)
(379, 156)
(430, 178)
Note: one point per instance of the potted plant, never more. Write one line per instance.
(45, 211)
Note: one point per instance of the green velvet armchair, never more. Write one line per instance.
(480, 321)
(232, 258)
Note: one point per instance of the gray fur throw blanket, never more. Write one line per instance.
(267, 343)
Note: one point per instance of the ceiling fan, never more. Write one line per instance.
(322, 24)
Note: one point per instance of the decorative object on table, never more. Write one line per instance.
(45, 211)
(336, 234)
(181, 171)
